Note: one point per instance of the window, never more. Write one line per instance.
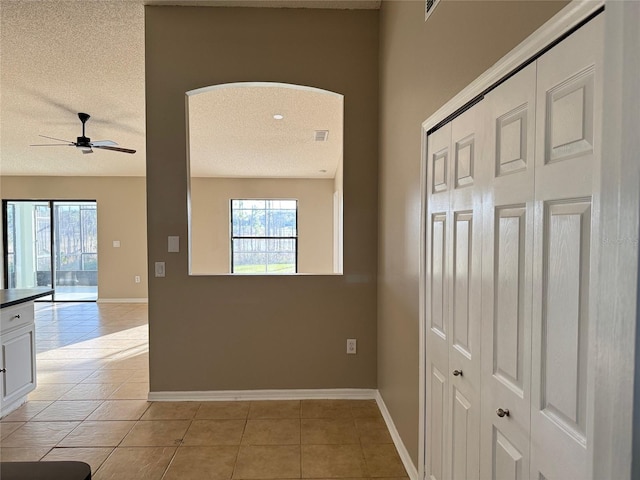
(264, 236)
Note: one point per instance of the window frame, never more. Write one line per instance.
(232, 237)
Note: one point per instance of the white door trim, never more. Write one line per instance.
(616, 366)
(554, 28)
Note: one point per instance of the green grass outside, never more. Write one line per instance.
(273, 268)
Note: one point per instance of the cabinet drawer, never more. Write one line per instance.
(16, 316)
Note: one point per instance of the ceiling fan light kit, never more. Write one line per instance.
(84, 143)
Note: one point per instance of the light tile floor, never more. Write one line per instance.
(90, 405)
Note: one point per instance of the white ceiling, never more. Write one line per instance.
(233, 133)
(59, 57)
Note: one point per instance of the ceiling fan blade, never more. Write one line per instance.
(53, 145)
(53, 138)
(104, 143)
(115, 149)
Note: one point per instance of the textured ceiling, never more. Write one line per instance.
(60, 57)
(232, 132)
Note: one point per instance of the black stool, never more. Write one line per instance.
(45, 471)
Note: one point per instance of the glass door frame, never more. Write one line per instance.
(52, 242)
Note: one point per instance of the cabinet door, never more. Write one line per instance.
(507, 277)
(464, 258)
(18, 353)
(437, 303)
(565, 252)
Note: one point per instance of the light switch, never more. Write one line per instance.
(116, 244)
(159, 269)
(174, 244)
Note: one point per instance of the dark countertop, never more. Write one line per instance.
(14, 296)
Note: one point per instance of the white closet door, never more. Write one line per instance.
(465, 314)
(437, 309)
(566, 187)
(507, 277)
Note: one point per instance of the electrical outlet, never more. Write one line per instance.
(137, 278)
(351, 346)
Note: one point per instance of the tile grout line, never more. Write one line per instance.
(244, 429)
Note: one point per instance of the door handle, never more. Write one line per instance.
(502, 413)
(3, 370)
(457, 373)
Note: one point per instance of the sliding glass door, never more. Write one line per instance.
(27, 244)
(52, 243)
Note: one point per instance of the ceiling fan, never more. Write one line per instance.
(84, 143)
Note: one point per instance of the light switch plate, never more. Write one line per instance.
(160, 269)
(174, 244)
(116, 244)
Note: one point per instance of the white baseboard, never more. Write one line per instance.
(229, 395)
(123, 300)
(402, 450)
(7, 409)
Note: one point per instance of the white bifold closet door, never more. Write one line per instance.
(507, 277)
(453, 299)
(512, 229)
(567, 185)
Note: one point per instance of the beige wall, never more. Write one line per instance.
(256, 332)
(121, 216)
(422, 65)
(210, 219)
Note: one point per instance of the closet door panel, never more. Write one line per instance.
(509, 294)
(462, 285)
(467, 141)
(565, 322)
(508, 461)
(437, 302)
(566, 229)
(507, 276)
(462, 441)
(437, 423)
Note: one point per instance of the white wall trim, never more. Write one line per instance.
(230, 395)
(617, 366)
(554, 28)
(397, 440)
(422, 311)
(123, 300)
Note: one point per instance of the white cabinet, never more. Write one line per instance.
(17, 356)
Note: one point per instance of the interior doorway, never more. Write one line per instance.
(51, 243)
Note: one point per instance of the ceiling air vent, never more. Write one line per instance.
(321, 135)
(429, 7)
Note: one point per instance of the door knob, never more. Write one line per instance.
(457, 373)
(3, 370)
(502, 413)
